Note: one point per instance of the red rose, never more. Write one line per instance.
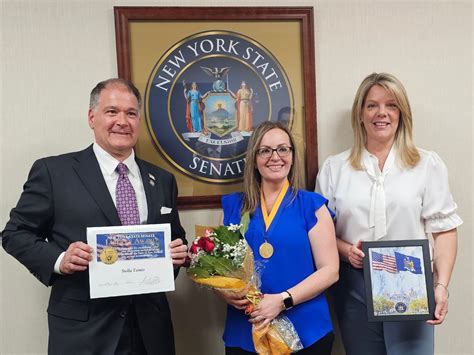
(194, 249)
(206, 243)
(200, 242)
(209, 246)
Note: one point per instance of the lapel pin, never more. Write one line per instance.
(151, 177)
(152, 183)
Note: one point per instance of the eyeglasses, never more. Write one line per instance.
(267, 152)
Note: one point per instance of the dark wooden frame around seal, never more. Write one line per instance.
(304, 15)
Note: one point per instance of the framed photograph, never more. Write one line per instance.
(209, 76)
(398, 280)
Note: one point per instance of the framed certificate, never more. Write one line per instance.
(398, 280)
(130, 260)
(209, 76)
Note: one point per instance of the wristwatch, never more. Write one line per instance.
(288, 301)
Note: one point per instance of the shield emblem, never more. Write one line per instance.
(220, 113)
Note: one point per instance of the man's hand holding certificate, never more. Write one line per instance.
(130, 260)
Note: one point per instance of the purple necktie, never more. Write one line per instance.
(126, 200)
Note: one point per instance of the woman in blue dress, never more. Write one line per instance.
(292, 236)
(193, 108)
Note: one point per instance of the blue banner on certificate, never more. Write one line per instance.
(130, 260)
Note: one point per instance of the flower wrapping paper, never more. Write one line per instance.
(221, 259)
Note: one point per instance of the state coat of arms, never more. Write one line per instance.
(204, 98)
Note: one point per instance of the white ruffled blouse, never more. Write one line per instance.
(396, 203)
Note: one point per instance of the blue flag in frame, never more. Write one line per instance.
(408, 263)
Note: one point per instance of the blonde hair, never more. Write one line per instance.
(252, 177)
(408, 155)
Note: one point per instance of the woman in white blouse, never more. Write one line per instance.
(384, 188)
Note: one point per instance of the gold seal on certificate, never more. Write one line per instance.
(108, 255)
(266, 250)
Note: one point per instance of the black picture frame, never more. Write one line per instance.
(398, 280)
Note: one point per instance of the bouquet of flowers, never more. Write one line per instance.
(223, 260)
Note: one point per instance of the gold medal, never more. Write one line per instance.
(108, 255)
(266, 250)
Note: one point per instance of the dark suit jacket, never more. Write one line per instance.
(63, 196)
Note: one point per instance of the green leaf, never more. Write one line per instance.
(227, 236)
(217, 265)
(198, 272)
(244, 221)
(224, 267)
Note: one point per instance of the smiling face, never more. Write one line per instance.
(274, 169)
(116, 121)
(380, 116)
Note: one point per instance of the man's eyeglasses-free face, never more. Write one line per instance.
(267, 152)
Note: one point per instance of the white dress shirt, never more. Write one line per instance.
(108, 165)
(393, 204)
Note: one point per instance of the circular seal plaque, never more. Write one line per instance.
(205, 96)
(401, 307)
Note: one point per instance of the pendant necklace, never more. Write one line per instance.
(266, 249)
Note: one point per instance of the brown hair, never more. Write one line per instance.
(95, 93)
(252, 177)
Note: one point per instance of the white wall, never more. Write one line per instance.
(53, 53)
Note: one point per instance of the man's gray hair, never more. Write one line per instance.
(95, 93)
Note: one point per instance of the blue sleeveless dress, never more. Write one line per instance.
(291, 262)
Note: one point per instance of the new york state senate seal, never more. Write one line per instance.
(204, 97)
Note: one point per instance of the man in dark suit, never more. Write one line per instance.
(63, 196)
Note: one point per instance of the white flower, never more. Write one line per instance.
(195, 257)
(234, 227)
(238, 252)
